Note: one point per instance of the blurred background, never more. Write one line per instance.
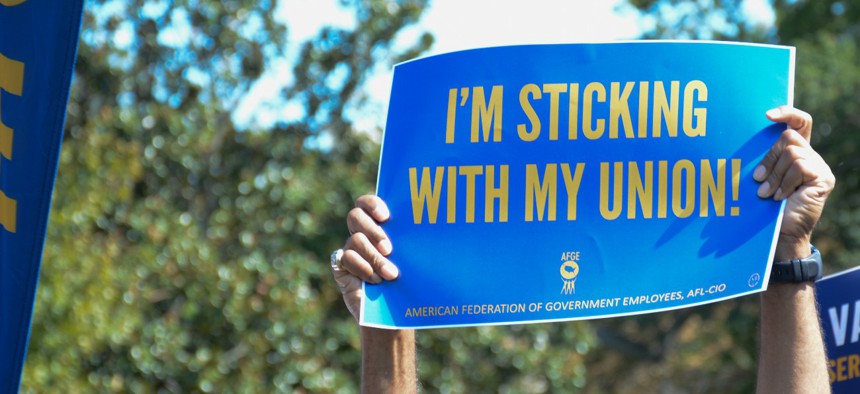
(213, 148)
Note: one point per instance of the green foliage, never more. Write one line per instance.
(184, 254)
(508, 359)
(695, 20)
(187, 253)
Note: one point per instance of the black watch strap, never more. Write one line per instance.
(807, 269)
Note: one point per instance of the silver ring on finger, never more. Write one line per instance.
(336, 263)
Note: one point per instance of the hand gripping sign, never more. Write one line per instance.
(560, 182)
(38, 40)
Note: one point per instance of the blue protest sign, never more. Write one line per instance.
(839, 306)
(559, 182)
(38, 41)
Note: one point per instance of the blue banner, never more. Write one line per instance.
(839, 306)
(38, 41)
(560, 182)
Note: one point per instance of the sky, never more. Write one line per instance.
(455, 25)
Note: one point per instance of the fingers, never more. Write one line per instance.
(781, 169)
(782, 155)
(796, 119)
(364, 254)
(374, 206)
(791, 162)
(369, 211)
(365, 250)
(364, 261)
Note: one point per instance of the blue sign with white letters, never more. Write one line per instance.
(560, 182)
(839, 306)
(38, 41)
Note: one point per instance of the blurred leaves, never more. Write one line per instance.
(699, 20)
(187, 253)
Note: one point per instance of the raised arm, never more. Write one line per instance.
(387, 356)
(792, 357)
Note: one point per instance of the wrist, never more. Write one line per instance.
(789, 247)
(387, 342)
(388, 361)
(805, 269)
(385, 334)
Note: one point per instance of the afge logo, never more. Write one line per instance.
(569, 270)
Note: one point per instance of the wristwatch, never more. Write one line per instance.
(807, 269)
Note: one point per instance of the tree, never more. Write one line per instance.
(186, 253)
(699, 20)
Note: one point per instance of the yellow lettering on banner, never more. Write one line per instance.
(554, 89)
(666, 108)
(572, 186)
(844, 368)
(451, 215)
(736, 180)
(639, 186)
(662, 185)
(452, 116)
(496, 193)
(617, 185)
(11, 81)
(716, 189)
(637, 190)
(591, 89)
(10, 3)
(619, 107)
(662, 115)
(530, 90)
(700, 114)
(425, 194)
(8, 213)
(840, 371)
(854, 366)
(541, 193)
(573, 112)
(471, 172)
(689, 188)
(643, 109)
(490, 113)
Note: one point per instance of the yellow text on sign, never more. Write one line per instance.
(684, 175)
(626, 190)
(660, 108)
(427, 192)
(11, 81)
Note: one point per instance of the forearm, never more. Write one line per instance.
(388, 361)
(792, 357)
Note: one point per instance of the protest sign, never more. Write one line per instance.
(839, 306)
(559, 182)
(38, 41)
